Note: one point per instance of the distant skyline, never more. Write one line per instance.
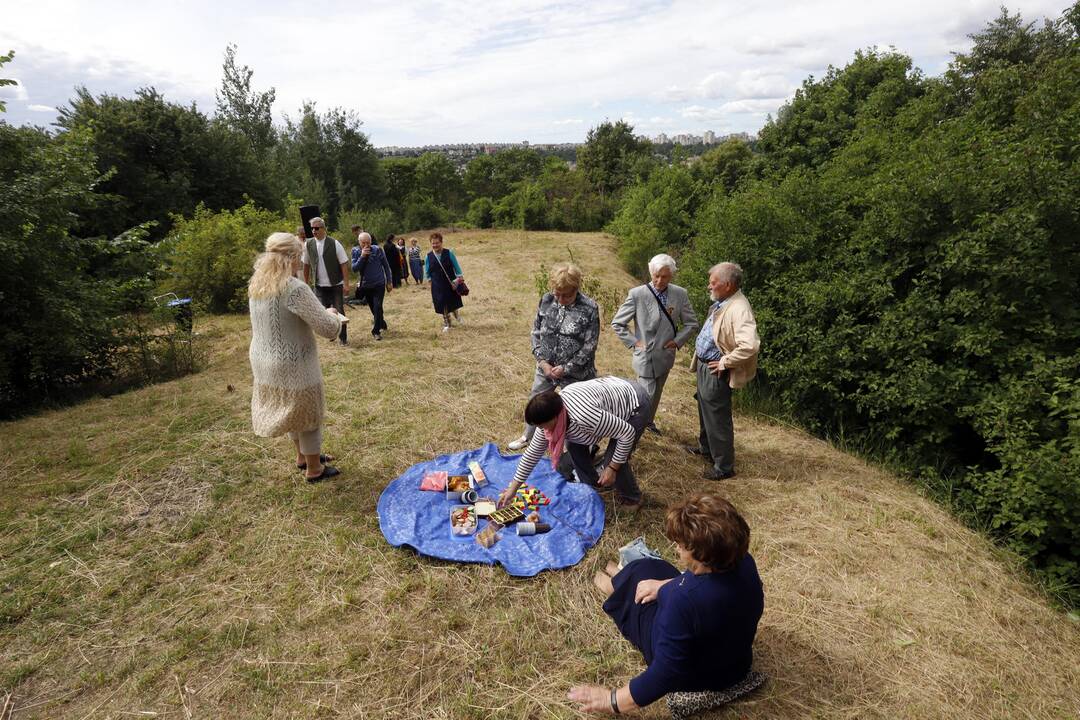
(448, 71)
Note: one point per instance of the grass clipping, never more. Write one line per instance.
(158, 560)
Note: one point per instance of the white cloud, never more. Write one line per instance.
(568, 121)
(41, 108)
(454, 70)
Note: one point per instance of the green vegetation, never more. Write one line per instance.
(912, 255)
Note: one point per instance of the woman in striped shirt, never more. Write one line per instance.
(581, 415)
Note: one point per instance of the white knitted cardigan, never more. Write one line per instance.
(288, 390)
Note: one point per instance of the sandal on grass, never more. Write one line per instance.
(328, 472)
(322, 459)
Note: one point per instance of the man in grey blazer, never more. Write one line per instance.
(663, 321)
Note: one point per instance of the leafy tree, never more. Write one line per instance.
(243, 109)
(5, 59)
(329, 155)
(400, 179)
(823, 113)
(436, 179)
(655, 216)
(159, 159)
(481, 212)
(63, 295)
(479, 178)
(612, 158)
(725, 165)
(422, 213)
(914, 275)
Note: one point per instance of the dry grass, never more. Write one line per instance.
(158, 560)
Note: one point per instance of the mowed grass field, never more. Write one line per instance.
(159, 560)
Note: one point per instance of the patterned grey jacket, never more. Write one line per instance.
(567, 335)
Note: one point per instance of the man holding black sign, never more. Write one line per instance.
(331, 265)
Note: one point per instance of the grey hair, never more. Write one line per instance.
(728, 272)
(312, 221)
(662, 260)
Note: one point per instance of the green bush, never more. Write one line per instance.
(914, 276)
(481, 213)
(210, 254)
(66, 323)
(421, 213)
(655, 216)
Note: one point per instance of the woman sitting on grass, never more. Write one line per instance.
(695, 629)
(287, 393)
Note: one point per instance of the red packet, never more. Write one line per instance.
(435, 480)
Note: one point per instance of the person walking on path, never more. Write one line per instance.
(331, 264)
(416, 265)
(390, 248)
(657, 309)
(287, 392)
(441, 268)
(725, 358)
(374, 280)
(564, 337)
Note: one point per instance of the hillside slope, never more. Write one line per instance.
(158, 560)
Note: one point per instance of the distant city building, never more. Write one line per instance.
(709, 137)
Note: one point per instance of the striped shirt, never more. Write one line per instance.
(595, 409)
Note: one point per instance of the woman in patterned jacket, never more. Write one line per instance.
(564, 337)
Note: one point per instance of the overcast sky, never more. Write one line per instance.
(439, 71)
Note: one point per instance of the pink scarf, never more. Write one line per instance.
(555, 437)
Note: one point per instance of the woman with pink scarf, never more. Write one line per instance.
(578, 417)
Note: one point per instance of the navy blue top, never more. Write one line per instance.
(373, 269)
(703, 633)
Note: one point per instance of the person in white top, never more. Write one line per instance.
(331, 265)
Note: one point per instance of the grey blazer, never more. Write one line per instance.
(652, 329)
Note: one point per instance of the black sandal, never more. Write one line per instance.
(322, 459)
(328, 472)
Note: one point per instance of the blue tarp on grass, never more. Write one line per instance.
(421, 519)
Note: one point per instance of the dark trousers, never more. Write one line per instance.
(717, 436)
(581, 456)
(334, 297)
(374, 296)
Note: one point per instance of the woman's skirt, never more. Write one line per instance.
(635, 620)
(417, 269)
(444, 297)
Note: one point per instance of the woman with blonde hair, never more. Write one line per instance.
(287, 392)
(564, 337)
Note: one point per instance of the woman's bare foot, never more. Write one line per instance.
(602, 581)
(612, 569)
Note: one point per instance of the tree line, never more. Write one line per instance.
(912, 245)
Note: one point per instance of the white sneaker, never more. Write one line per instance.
(446, 328)
(459, 320)
(519, 443)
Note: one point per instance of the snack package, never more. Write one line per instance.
(488, 536)
(529, 497)
(435, 480)
(479, 479)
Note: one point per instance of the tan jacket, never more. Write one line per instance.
(735, 333)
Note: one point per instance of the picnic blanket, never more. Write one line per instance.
(409, 516)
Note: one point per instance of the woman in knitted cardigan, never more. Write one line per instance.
(287, 393)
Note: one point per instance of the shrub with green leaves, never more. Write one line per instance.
(210, 255)
(912, 259)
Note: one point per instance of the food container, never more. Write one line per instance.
(462, 521)
(455, 486)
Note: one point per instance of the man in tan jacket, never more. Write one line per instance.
(725, 358)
